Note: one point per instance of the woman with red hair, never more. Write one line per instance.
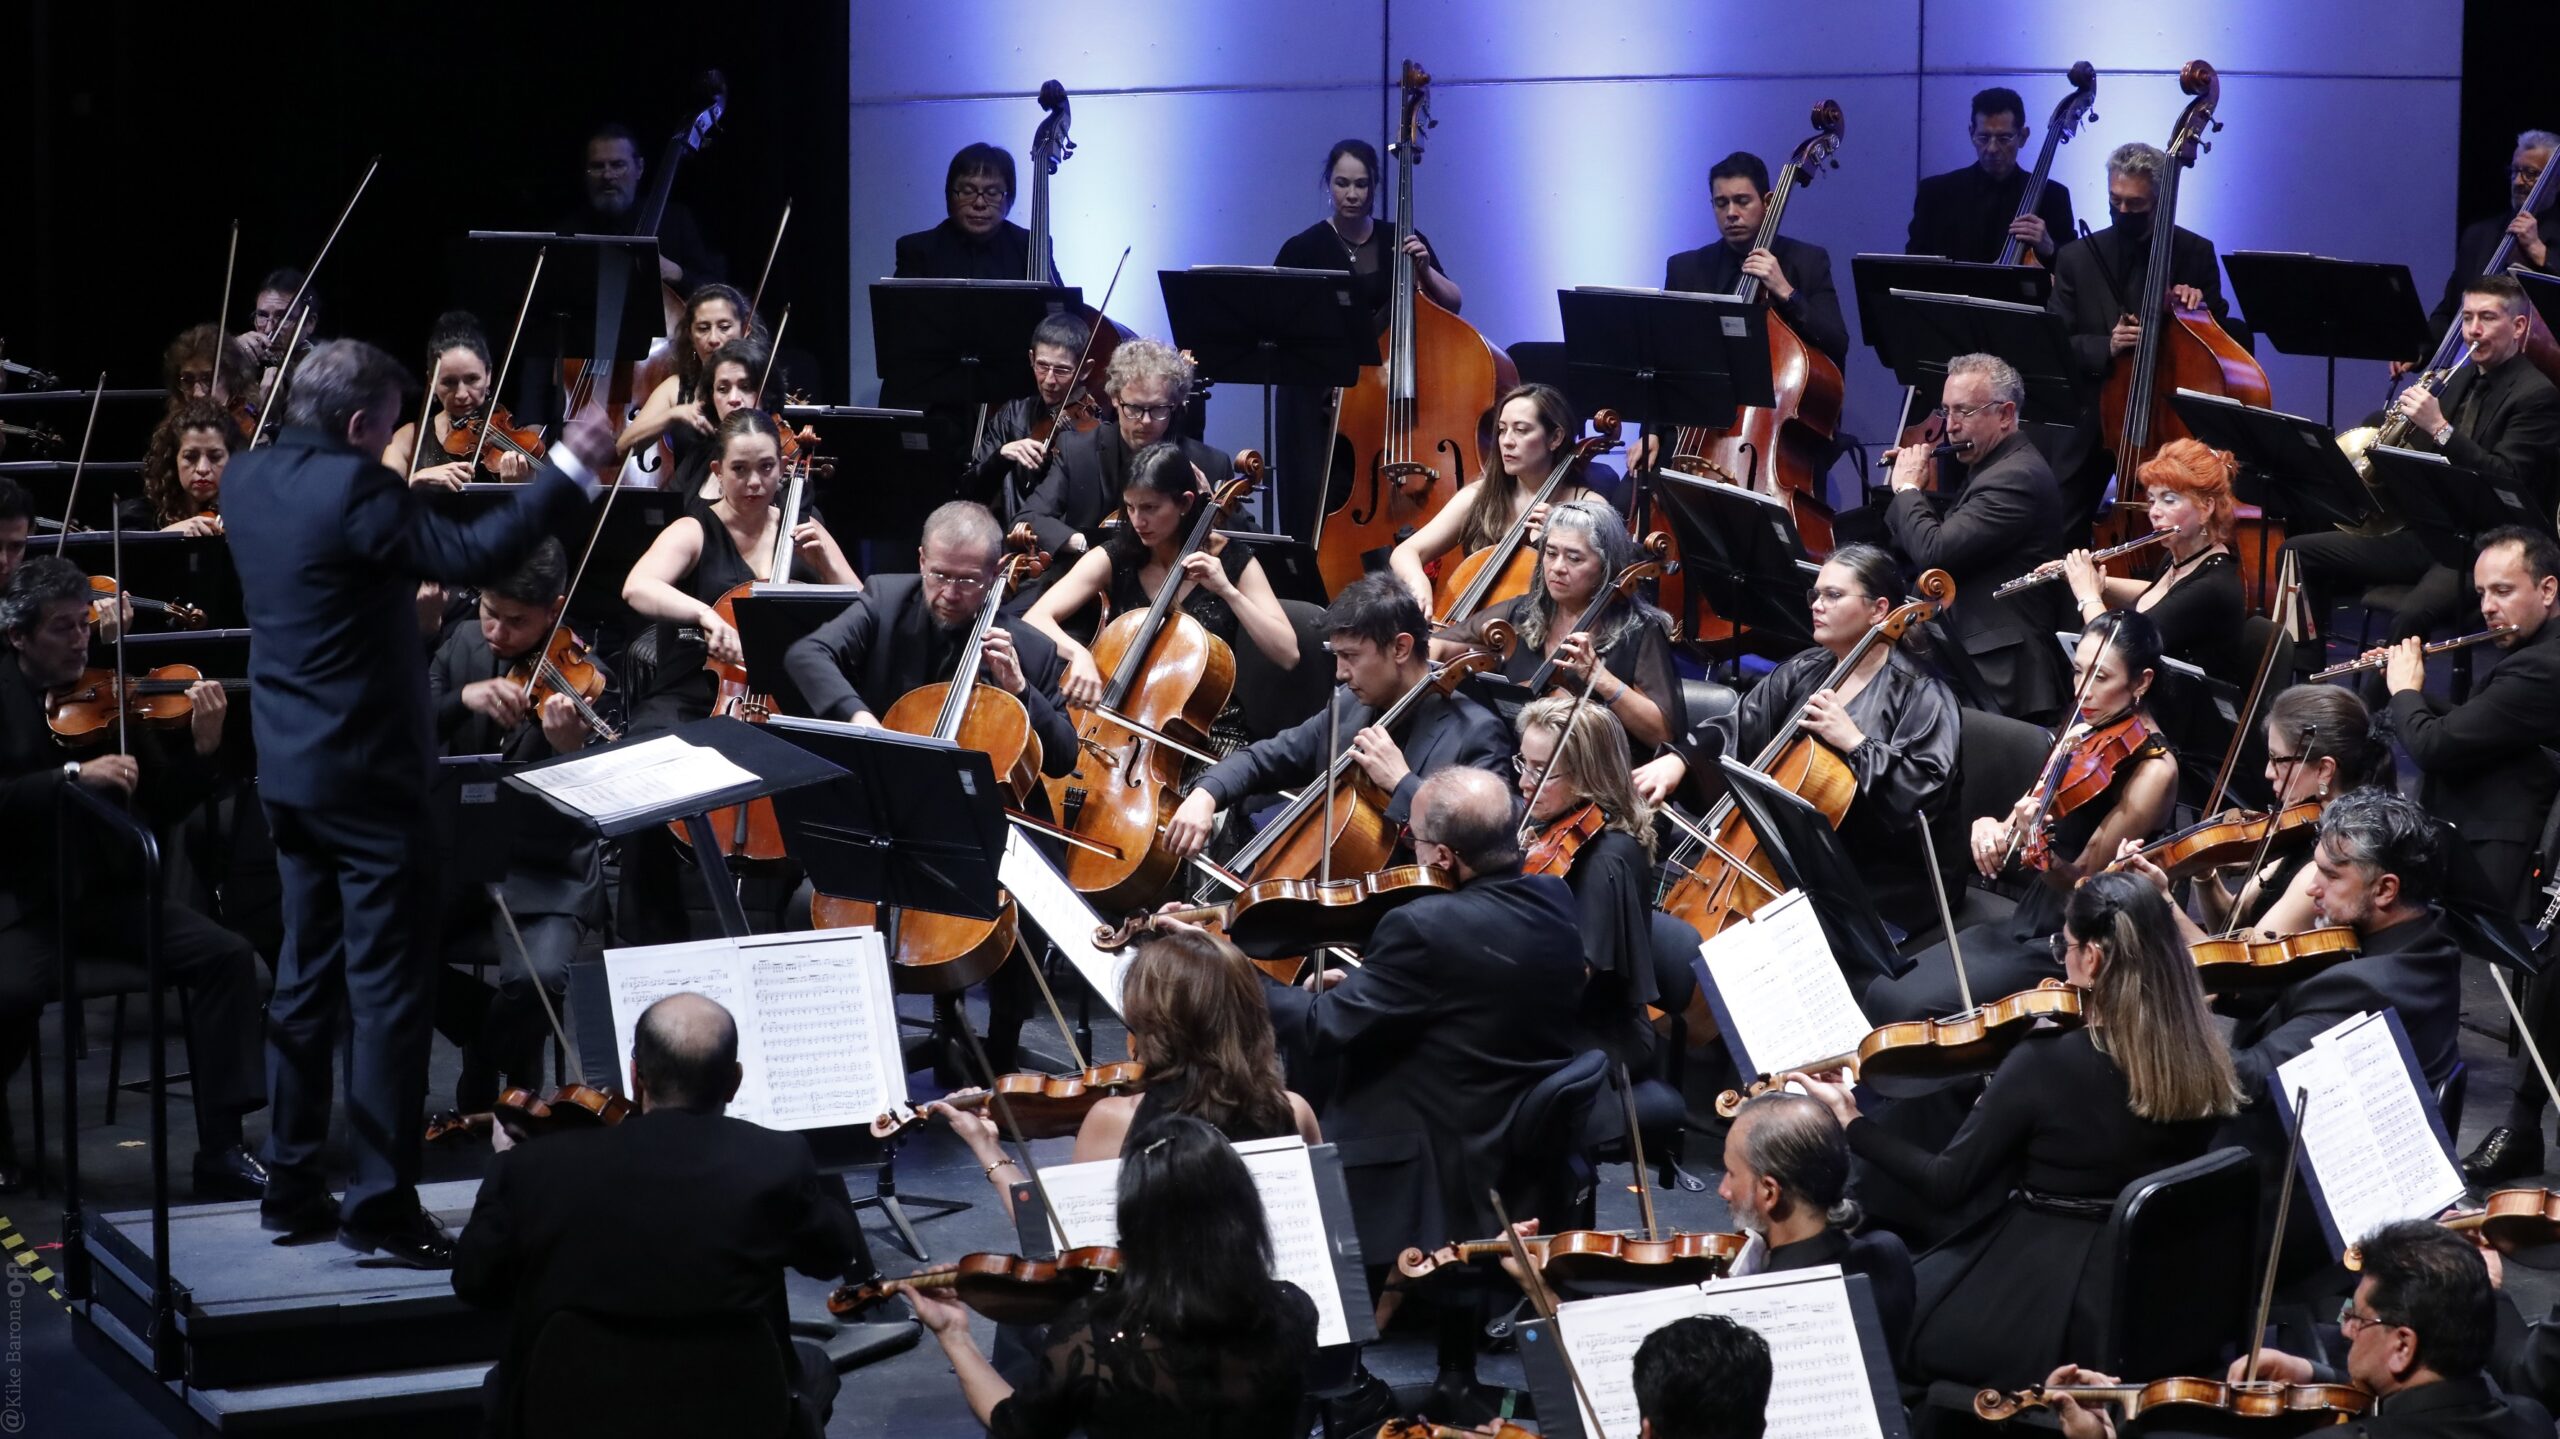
(2195, 596)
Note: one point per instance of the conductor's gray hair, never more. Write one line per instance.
(2137, 159)
(1998, 374)
(337, 379)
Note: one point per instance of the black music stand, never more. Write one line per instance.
(2336, 309)
(1739, 550)
(1267, 326)
(160, 565)
(2290, 465)
(771, 619)
(2543, 290)
(1664, 358)
(960, 342)
(885, 480)
(608, 298)
(1929, 329)
(48, 487)
(623, 534)
(1805, 851)
(2445, 504)
(1876, 277)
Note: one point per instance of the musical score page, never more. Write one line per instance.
(2368, 1149)
(617, 782)
(1085, 1200)
(1818, 1385)
(1774, 983)
(1062, 914)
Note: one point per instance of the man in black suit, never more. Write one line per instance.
(1794, 275)
(2480, 239)
(2497, 415)
(554, 892)
(2377, 868)
(679, 1212)
(1786, 1180)
(44, 645)
(331, 547)
(2005, 521)
(1148, 384)
(614, 168)
(17, 517)
(1972, 213)
(1009, 464)
(1381, 648)
(2097, 290)
(974, 241)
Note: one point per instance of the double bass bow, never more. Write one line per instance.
(1410, 424)
(1781, 449)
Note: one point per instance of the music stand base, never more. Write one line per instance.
(884, 1196)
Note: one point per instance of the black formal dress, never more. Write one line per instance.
(669, 1215)
(330, 548)
(1612, 883)
(2025, 1289)
(1812, 309)
(1637, 655)
(1907, 763)
(1086, 477)
(887, 642)
(2098, 279)
(2200, 616)
(1965, 214)
(1103, 1377)
(1309, 481)
(2524, 1358)
(1439, 731)
(1166, 1097)
(2005, 521)
(678, 689)
(1129, 594)
(1453, 1016)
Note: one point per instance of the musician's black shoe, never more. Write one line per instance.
(232, 1173)
(312, 1215)
(417, 1242)
(2503, 1154)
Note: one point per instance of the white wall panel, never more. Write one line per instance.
(1536, 40)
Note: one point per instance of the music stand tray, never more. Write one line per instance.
(1262, 325)
(1878, 276)
(1930, 329)
(906, 822)
(771, 619)
(623, 535)
(2290, 465)
(2445, 504)
(960, 342)
(2338, 309)
(1739, 548)
(1806, 853)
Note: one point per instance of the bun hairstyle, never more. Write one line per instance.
(2331, 722)
(457, 330)
(749, 421)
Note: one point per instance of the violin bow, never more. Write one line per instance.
(1635, 1151)
(1541, 1298)
(1946, 916)
(115, 546)
(2068, 736)
(2275, 1247)
(284, 367)
(1564, 736)
(222, 317)
(426, 427)
(312, 271)
(1093, 332)
(80, 462)
(772, 354)
(755, 302)
(1075, 1053)
(1004, 1113)
(497, 896)
(2523, 1031)
(498, 386)
(2275, 806)
(2288, 583)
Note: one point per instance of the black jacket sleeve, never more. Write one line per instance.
(1292, 757)
(1814, 307)
(822, 663)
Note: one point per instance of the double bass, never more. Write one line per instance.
(1411, 425)
(2179, 350)
(947, 953)
(1050, 146)
(1782, 448)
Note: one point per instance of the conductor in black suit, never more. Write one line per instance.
(2004, 521)
(974, 241)
(330, 547)
(2097, 289)
(1794, 275)
(677, 1213)
(1972, 213)
(1148, 384)
(2480, 239)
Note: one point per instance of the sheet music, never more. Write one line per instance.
(817, 1021)
(2368, 1148)
(1781, 992)
(1818, 1385)
(615, 783)
(1085, 1200)
(1062, 914)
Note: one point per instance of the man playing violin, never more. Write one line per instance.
(1148, 384)
(1795, 275)
(44, 617)
(554, 891)
(1380, 644)
(1009, 463)
(1786, 1179)
(678, 1214)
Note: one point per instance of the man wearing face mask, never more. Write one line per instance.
(2097, 288)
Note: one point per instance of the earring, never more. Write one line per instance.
(2324, 789)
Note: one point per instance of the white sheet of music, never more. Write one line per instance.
(613, 784)
(1061, 913)
(1784, 992)
(2367, 1143)
(817, 1021)
(1818, 1373)
(1085, 1199)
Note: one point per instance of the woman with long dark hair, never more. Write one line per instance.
(715, 315)
(461, 378)
(1194, 1337)
(182, 470)
(1533, 426)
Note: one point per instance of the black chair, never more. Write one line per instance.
(1997, 761)
(1274, 698)
(2178, 1246)
(639, 1379)
(1547, 1173)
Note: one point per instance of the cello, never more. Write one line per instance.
(945, 953)
(2179, 350)
(1410, 424)
(1504, 569)
(1781, 449)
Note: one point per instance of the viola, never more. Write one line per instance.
(489, 434)
(526, 1115)
(181, 616)
(2263, 1399)
(566, 669)
(84, 710)
(1274, 918)
(1968, 1043)
(1504, 569)
(2230, 838)
(2083, 767)
(1782, 448)
(1006, 1288)
(1552, 852)
(2239, 962)
(1411, 423)
(1596, 1256)
(1043, 1106)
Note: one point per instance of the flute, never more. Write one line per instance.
(2052, 569)
(2377, 661)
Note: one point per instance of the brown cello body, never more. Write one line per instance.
(1121, 791)
(1779, 449)
(1712, 895)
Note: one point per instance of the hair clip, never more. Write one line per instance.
(1155, 1145)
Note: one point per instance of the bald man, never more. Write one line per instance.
(678, 1213)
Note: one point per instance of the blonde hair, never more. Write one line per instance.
(2156, 1028)
(1593, 762)
(1145, 360)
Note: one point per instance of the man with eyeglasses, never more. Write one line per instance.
(2533, 229)
(1148, 384)
(906, 631)
(2006, 520)
(974, 241)
(1971, 214)
(611, 190)
(1009, 463)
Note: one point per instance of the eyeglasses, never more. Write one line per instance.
(1051, 372)
(1144, 413)
(2350, 1321)
(2060, 943)
(979, 192)
(1995, 138)
(1963, 412)
(1822, 596)
(948, 580)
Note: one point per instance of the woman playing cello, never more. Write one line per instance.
(1584, 548)
(2076, 1113)
(459, 372)
(1533, 427)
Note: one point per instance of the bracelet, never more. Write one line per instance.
(992, 1168)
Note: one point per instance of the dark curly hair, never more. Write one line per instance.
(169, 499)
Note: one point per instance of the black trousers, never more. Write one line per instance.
(360, 921)
(217, 966)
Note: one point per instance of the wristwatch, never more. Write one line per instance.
(2444, 433)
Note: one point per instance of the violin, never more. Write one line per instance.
(1621, 589)
(566, 669)
(1505, 569)
(2263, 1399)
(1043, 1106)
(1597, 1256)
(81, 712)
(180, 616)
(1274, 918)
(1006, 1288)
(526, 1115)
(2083, 767)
(2512, 1219)
(1425, 1429)
(2230, 838)
(1967, 1043)
(1552, 852)
(489, 434)
(2239, 962)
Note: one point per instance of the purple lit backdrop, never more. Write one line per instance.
(1574, 139)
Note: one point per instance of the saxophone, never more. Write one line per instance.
(2358, 444)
